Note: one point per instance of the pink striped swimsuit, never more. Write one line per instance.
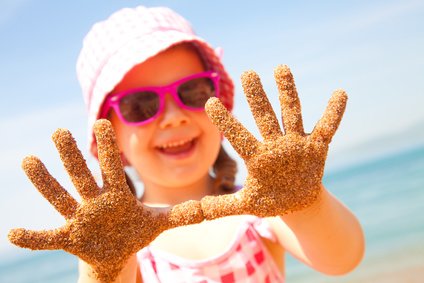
(246, 260)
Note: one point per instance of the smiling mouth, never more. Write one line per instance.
(174, 148)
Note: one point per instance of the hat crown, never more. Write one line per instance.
(128, 23)
(108, 36)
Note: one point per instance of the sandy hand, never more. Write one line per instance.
(110, 224)
(284, 170)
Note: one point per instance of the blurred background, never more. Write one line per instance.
(372, 49)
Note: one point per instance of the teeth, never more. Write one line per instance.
(175, 144)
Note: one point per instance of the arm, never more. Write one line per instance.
(285, 173)
(325, 236)
(109, 225)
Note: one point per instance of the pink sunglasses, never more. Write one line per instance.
(142, 105)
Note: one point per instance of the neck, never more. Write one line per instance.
(160, 195)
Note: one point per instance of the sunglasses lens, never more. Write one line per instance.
(194, 93)
(139, 106)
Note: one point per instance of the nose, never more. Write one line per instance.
(172, 115)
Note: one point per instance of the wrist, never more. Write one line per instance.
(127, 274)
(310, 211)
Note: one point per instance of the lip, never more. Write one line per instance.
(178, 149)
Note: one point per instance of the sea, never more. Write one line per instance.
(386, 193)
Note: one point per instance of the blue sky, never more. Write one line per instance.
(372, 49)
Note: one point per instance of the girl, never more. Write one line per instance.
(145, 71)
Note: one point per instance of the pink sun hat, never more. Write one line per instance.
(131, 36)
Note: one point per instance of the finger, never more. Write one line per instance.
(289, 100)
(186, 213)
(214, 207)
(240, 138)
(75, 164)
(38, 240)
(109, 157)
(330, 121)
(49, 187)
(260, 106)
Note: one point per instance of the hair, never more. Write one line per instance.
(225, 170)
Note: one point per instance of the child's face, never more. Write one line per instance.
(180, 146)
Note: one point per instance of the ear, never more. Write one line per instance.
(93, 150)
(124, 160)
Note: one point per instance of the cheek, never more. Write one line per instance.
(120, 130)
(132, 142)
(136, 147)
(122, 136)
(213, 137)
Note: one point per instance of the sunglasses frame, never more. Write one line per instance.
(112, 101)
